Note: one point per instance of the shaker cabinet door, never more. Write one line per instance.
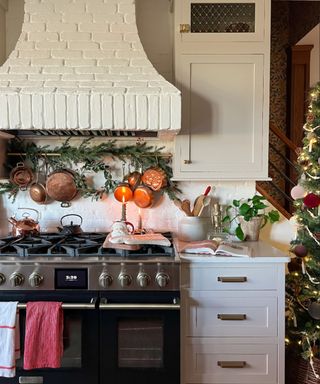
(224, 126)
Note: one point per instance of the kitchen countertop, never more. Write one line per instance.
(262, 252)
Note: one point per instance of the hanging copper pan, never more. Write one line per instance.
(21, 176)
(61, 186)
(143, 196)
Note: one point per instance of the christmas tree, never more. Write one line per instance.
(303, 280)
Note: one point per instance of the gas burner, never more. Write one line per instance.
(87, 244)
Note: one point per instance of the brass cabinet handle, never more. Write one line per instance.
(184, 28)
(236, 316)
(232, 279)
(231, 364)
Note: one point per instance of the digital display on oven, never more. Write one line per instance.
(71, 278)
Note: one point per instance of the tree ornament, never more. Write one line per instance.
(155, 178)
(295, 265)
(319, 160)
(300, 250)
(310, 118)
(311, 200)
(298, 192)
(314, 310)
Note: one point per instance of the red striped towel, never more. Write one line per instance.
(43, 345)
(9, 339)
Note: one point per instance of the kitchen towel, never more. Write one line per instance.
(9, 339)
(43, 344)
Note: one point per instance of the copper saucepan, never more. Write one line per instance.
(143, 196)
(61, 186)
(21, 176)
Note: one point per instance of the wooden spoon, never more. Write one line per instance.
(186, 208)
(205, 202)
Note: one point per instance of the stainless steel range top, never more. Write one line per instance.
(52, 261)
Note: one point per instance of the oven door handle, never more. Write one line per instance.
(81, 306)
(104, 305)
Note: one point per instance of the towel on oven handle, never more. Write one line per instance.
(43, 345)
(9, 338)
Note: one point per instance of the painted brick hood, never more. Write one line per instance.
(80, 65)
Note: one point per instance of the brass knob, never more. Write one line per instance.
(16, 279)
(35, 280)
(184, 28)
(187, 161)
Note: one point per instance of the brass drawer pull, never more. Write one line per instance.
(231, 364)
(232, 279)
(237, 316)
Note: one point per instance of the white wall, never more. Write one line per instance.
(313, 38)
(3, 8)
(14, 19)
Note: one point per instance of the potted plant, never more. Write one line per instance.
(251, 217)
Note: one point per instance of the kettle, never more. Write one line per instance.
(26, 225)
(71, 229)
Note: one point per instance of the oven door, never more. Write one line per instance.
(140, 337)
(80, 362)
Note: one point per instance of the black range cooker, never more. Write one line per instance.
(121, 307)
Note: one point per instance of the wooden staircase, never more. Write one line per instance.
(282, 170)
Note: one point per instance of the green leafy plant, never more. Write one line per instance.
(248, 209)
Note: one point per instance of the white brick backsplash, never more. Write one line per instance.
(93, 27)
(122, 27)
(101, 37)
(75, 36)
(61, 27)
(100, 7)
(82, 63)
(33, 27)
(83, 45)
(43, 36)
(79, 64)
(51, 45)
(66, 54)
(115, 45)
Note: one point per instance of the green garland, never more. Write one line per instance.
(86, 158)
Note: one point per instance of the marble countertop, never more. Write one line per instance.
(261, 252)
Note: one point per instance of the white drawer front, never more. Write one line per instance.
(230, 278)
(209, 314)
(217, 363)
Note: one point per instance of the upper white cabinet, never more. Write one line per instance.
(222, 20)
(222, 68)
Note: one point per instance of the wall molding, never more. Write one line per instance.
(4, 4)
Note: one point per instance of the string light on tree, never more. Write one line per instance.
(303, 280)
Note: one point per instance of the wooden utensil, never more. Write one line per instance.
(205, 202)
(199, 201)
(186, 207)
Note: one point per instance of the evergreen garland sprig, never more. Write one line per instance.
(87, 157)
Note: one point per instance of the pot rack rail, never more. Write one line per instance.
(24, 154)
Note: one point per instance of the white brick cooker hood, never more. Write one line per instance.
(80, 65)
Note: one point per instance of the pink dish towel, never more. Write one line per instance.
(43, 344)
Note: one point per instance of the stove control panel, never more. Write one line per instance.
(98, 276)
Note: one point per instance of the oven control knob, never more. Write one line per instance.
(16, 279)
(2, 278)
(125, 280)
(162, 279)
(105, 280)
(143, 280)
(35, 280)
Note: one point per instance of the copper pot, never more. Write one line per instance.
(21, 175)
(143, 196)
(26, 225)
(134, 179)
(61, 186)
